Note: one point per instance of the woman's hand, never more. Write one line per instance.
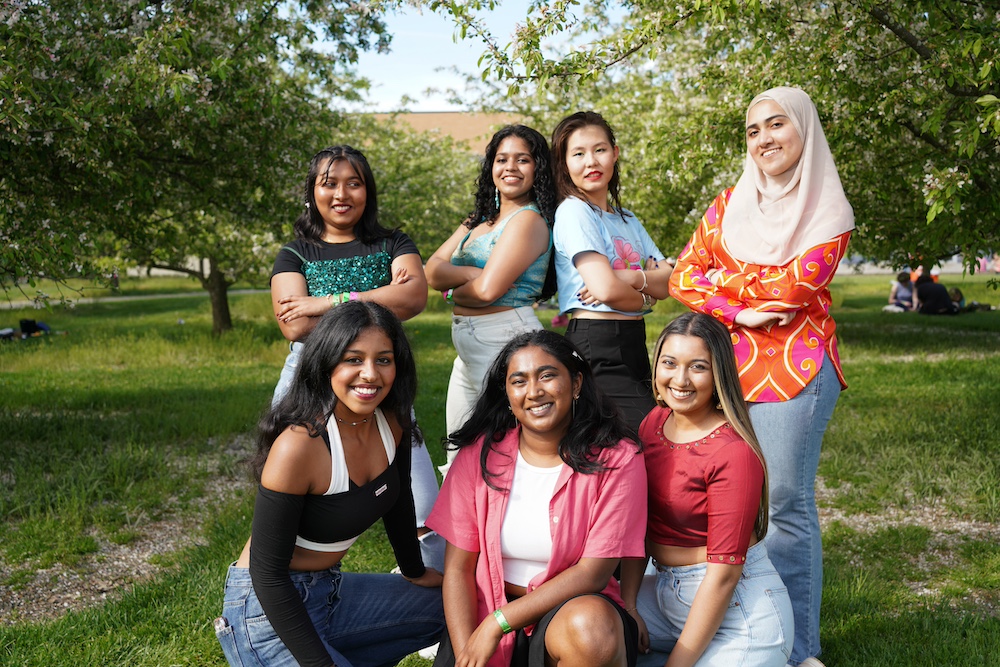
(431, 578)
(587, 298)
(400, 276)
(714, 276)
(481, 645)
(293, 307)
(643, 632)
(752, 319)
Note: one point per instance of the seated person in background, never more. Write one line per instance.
(901, 294)
(932, 297)
(957, 298)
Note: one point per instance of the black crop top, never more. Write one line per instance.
(279, 517)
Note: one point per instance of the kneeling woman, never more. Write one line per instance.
(333, 457)
(716, 598)
(537, 510)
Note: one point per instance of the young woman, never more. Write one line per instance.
(497, 264)
(716, 598)
(610, 273)
(903, 294)
(760, 262)
(333, 457)
(341, 253)
(538, 508)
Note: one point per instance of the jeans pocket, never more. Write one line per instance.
(227, 638)
(782, 607)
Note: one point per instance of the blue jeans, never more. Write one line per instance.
(423, 480)
(363, 619)
(790, 433)
(755, 632)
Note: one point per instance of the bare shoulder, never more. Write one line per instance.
(294, 462)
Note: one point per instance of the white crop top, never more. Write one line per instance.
(340, 477)
(525, 536)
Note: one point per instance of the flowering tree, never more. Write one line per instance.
(908, 93)
(164, 129)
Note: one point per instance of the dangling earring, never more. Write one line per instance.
(496, 197)
(573, 409)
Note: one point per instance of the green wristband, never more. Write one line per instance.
(502, 620)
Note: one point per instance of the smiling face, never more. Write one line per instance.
(683, 377)
(590, 160)
(514, 170)
(541, 392)
(772, 141)
(340, 195)
(364, 376)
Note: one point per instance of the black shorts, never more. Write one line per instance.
(529, 651)
(616, 352)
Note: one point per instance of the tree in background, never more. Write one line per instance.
(170, 130)
(908, 92)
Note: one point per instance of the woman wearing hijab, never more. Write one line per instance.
(761, 262)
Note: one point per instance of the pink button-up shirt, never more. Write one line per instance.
(600, 515)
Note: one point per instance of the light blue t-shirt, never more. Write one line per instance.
(580, 227)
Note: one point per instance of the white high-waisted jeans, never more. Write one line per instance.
(478, 339)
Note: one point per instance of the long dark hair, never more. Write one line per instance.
(560, 144)
(310, 226)
(726, 378)
(543, 191)
(310, 400)
(597, 424)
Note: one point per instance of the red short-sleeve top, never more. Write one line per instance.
(701, 493)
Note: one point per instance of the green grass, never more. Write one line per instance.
(132, 417)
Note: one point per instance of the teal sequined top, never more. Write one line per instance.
(333, 268)
(528, 286)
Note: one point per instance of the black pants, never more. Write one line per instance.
(529, 651)
(616, 352)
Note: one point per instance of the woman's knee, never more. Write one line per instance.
(587, 630)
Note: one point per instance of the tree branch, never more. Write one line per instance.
(921, 49)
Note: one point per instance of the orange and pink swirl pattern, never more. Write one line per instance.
(775, 363)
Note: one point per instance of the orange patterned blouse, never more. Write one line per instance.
(776, 362)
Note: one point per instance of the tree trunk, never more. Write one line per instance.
(218, 288)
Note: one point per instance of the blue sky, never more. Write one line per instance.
(421, 44)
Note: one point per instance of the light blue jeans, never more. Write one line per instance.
(790, 433)
(363, 619)
(478, 339)
(423, 480)
(755, 632)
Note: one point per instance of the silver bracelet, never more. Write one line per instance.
(647, 301)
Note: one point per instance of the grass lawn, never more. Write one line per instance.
(123, 437)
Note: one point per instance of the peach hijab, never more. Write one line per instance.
(770, 221)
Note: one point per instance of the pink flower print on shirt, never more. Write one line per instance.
(626, 257)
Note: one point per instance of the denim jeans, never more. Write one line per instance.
(363, 619)
(423, 481)
(790, 433)
(478, 339)
(755, 632)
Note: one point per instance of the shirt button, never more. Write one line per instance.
(555, 519)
